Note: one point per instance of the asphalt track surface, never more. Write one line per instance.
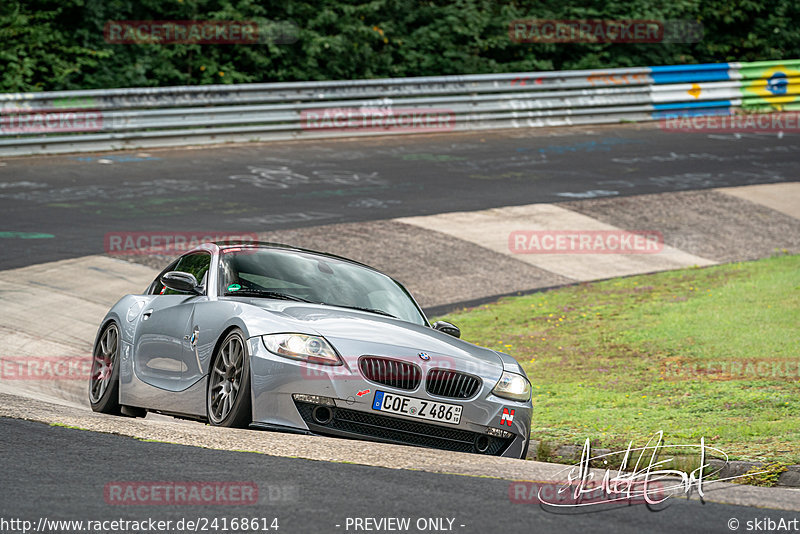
(61, 473)
(77, 199)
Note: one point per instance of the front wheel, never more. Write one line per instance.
(228, 396)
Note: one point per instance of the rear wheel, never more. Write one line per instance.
(104, 380)
(228, 397)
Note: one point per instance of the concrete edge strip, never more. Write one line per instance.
(783, 197)
(492, 228)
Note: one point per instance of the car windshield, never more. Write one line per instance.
(302, 276)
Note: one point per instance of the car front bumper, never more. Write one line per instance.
(338, 401)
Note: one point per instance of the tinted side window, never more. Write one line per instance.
(197, 264)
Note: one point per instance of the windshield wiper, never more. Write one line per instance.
(264, 293)
(371, 310)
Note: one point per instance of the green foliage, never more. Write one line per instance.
(544, 452)
(766, 475)
(59, 44)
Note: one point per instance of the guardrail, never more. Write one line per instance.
(89, 120)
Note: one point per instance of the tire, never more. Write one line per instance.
(228, 401)
(524, 455)
(104, 380)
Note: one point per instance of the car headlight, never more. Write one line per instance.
(312, 349)
(513, 386)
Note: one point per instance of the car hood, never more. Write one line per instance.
(341, 325)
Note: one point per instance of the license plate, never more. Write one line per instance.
(441, 412)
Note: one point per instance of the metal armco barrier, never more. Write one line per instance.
(89, 120)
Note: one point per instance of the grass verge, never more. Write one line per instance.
(703, 352)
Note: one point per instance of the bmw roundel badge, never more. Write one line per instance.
(424, 356)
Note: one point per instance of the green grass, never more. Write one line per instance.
(677, 351)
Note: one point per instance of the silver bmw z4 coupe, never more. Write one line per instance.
(273, 337)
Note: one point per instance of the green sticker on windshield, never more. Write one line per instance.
(234, 287)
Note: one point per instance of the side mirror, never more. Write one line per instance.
(180, 281)
(447, 328)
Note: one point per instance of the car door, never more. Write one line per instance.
(165, 339)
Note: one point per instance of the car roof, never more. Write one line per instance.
(222, 245)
